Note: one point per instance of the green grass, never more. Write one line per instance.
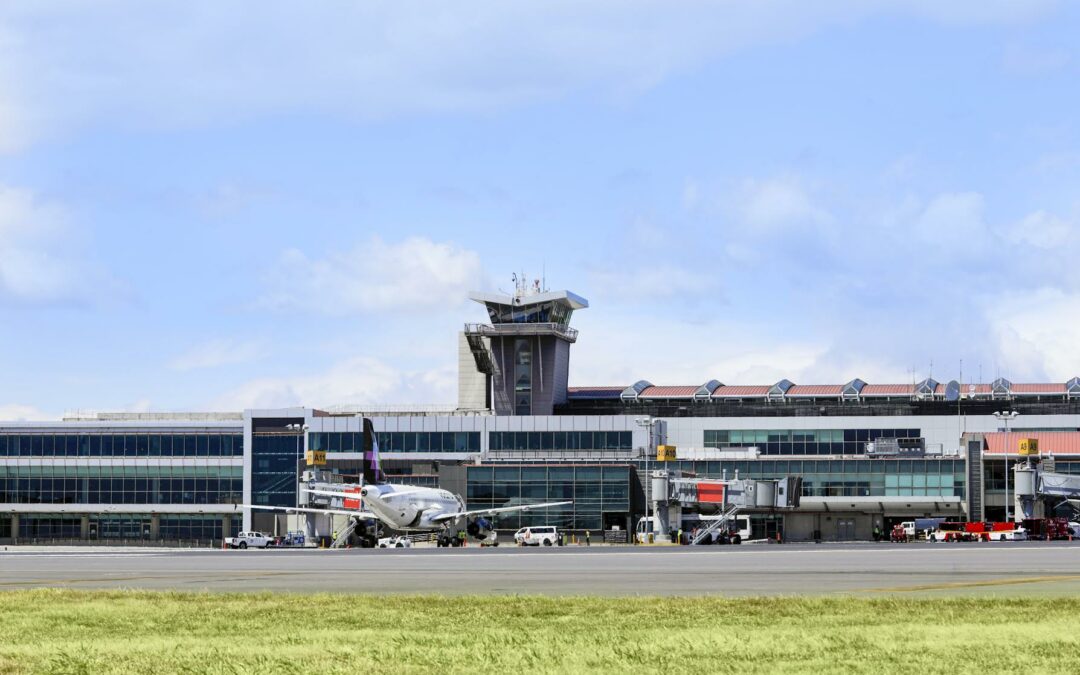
(124, 632)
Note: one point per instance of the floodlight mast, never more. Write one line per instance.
(647, 423)
(1006, 416)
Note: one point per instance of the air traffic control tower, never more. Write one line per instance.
(519, 363)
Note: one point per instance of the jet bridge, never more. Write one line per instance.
(674, 493)
(1035, 487)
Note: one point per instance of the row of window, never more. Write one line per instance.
(561, 440)
(803, 441)
(121, 491)
(121, 526)
(799, 467)
(110, 471)
(121, 445)
(398, 441)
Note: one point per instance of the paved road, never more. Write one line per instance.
(865, 569)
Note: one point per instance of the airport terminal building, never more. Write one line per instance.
(868, 454)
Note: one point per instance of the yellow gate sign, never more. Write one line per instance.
(665, 453)
(1029, 446)
(316, 457)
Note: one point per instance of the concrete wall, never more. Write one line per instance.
(472, 384)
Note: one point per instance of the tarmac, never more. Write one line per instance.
(869, 570)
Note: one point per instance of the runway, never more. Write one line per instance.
(1006, 568)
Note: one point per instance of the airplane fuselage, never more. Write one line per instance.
(409, 507)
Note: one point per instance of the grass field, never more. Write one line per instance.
(124, 632)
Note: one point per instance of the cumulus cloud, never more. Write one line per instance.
(219, 352)
(41, 260)
(1042, 230)
(416, 274)
(777, 203)
(14, 412)
(70, 64)
(1037, 332)
(354, 381)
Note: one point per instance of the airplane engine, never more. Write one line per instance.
(479, 529)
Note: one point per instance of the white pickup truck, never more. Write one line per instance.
(249, 540)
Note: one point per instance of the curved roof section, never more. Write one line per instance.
(855, 389)
(815, 390)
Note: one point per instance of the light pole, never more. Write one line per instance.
(647, 423)
(1006, 416)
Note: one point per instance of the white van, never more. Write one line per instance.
(540, 535)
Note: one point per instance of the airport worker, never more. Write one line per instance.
(587, 542)
(333, 535)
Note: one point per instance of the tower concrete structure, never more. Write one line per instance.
(524, 352)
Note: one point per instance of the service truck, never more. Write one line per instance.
(249, 540)
(735, 531)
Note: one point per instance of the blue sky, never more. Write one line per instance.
(219, 207)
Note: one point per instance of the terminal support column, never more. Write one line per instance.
(226, 526)
(155, 525)
(14, 527)
(84, 526)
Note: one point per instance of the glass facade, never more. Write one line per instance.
(601, 494)
(122, 445)
(847, 477)
(560, 440)
(77, 484)
(275, 468)
(124, 526)
(398, 441)
(803, 441)
(545, 312)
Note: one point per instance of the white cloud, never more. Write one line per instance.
(1037, 333)
(1042, 230)
(170, 63)
(648, 281)
(412, 276)
(355, 381)
(41, 260)
(953, 224)
(14, 412)
(778, 203)
(219, 352)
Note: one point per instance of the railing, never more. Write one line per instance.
(502, 329)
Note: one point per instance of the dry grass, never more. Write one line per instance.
(124, 632)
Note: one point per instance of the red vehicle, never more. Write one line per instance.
(1047, 528)
(977, 531)
(899, 534)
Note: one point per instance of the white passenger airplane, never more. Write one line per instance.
(409, 507)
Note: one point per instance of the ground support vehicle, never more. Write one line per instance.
(249, 540)
(1048, 529)
(291, 540)
(899, 534)
(735, 531)
(395, 542)
(977, 531)
(540, 535)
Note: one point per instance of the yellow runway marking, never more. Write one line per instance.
(973, 584)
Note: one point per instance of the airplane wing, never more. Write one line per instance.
(295, 509)
(356, 495)
(443, 517)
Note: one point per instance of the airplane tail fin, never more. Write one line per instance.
(372, 472)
